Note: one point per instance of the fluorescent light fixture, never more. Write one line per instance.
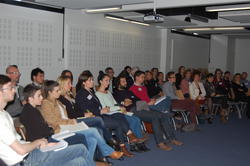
(213, 29)
(126, 20)
(195, 34)
(197, 29)
(102, 10)
(228, 8)
(229, 28)
(116, 18)
(139, 23)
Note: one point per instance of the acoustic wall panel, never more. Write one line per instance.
(31, 38)
(104, 48)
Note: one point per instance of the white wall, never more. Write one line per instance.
(93, 43)
(218, 52)
(242, 55)
(189, 51)
(231, 55)
(30, 38)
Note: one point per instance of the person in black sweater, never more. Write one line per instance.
(32, 119)
(67, 99)
(153, 88)
(179, 76)
(240, 91)
(35, 125)
(87, 100)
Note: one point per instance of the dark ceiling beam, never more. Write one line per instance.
(199, 11)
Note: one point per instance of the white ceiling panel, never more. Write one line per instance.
(87, 4)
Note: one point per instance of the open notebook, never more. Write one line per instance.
(58, 146)
(74, 128)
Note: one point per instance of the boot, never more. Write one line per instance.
(142, 147)
(126, 152)
(133, 139)
(223, 116)
(114, 144)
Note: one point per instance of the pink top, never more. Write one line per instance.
(140, 92)
(184, 86)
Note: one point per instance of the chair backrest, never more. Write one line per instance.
(20, 128)
(2, 163)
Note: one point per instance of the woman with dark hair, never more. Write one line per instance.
(179, 76)
(107, 100)
(240, 91)
(153, 89)
(87, 101)
(160, 78)
(154, 72)
(54, 113)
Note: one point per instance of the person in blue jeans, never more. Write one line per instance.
(37, 127)
(13, 151)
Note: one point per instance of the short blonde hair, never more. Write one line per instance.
(62, 81)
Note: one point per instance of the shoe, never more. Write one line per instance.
(126, 153)
(134, 148)
(175, 142)
(142, 147)
(114, 144)
(98, 163)
(116, 155)
(210, 120)
(133, 139)
(223, 119)
(164, 147)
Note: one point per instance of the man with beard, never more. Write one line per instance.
(159, 120)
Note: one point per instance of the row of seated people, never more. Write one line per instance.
(48, 105)
(202, 88)
(112, 105)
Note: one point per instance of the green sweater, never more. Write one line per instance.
(107, 100)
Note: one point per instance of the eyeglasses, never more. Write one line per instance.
(171, 77)
(15, 72)
(9, 88)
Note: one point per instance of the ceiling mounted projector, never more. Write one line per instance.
(153, 18)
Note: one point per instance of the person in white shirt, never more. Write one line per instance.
(196, 88)
(14, 151)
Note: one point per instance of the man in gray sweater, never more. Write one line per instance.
(15, 107)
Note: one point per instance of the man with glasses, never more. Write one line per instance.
(169, 89)
(14, 151)
(110, 72)
(15, 107)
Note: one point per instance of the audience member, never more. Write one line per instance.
(159, 120)
(184, 86)
(87, 100)
(169, 89)
(13, 151)
(151, 84)
(55, 115)
(14, 107)
(244, 79)
(240, 91)
(110, 72)
(179, 76)
(37, 77)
